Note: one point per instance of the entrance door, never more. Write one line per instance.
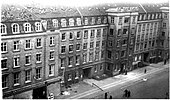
(39, 93)
(86, 73)
(146, 56)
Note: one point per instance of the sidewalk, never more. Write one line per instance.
(86, 84)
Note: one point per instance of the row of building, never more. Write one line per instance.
(44, 50)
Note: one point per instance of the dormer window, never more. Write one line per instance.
(153, 16)
(105, 20)
(38, 26)
(71, 22)
(27, 27)
(15, 28)
(93, 21)
(78, 21)
(99, 20)
(63, 22)
(55, 23)
(3, 29)
(86, 21)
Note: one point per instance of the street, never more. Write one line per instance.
(154, 88)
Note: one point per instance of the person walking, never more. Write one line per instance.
(110, 97)
(125, 92)
(145, 71)
(105, 96)
(128, 93)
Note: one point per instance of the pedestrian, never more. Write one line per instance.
(128, 93)
(110, 97)
(145, 71)
(125, 92)
(105, 96)
(167, 95)
(164, 61)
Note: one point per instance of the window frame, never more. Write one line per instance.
(27, 27)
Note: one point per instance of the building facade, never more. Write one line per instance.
(48, 49)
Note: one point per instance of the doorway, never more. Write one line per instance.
(146, 56)
(39, 93)
(86, 73)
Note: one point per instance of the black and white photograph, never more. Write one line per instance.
(84, 49)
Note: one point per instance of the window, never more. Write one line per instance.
(120, 20)
(85, 46)
(16, 78)
(16, 61)
(71, 22)
(27, 59)
(4, 63)
(4, 81)
(4, 47)
(63, 36)
(95, 68)
(70, 61)
(16, 45)
(109, 54)
(28, 44)
(84, 58)
(105, 20)
(133, 19)
(153, 16)
(139, 28)
(104, 32)
(51, 57)
(91, 44)
(70, 48)
(27, 27)
(77, 47)
(63, 63)
(111, 31)
(108, 66)
(28, 76)
(140, 17)
(86, 21)
(144, 17)
(93, 21)
(122, 53)
(124, 42)
(38, 26)
(38, 73)
(78, 21)
(125, 31)
(160, 16)
(102, 54)
(55, 23)
(163, 33)
(112, 19)
(118, 43)
(143, 27)
(130, 51)
(71, 36)
(38, 42)
(15, 28)
(137, 46)
(133, 31)
(101, 67)
(85, 34)
(117, 55)
(99, 20)
(110, 43)
(76, 75)
(98, 33)
(131, 41)
(3, 29)
(141, 46)
(91, 56)
(164, 25)
(97, 56)
(63, 23)
(97, 43)
(119, 32)
(51, 70)
(126, 20)
(103, 43)
(63, 49)
(77, 59)
(38, 57)
(52, 40)
(92, 33)
(69, 77)
(148, 16)
(165, 15)
(78, 35)
(156, 16)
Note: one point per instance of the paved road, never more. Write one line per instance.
(154, 88)
(116, 90)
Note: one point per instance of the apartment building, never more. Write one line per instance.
(47, 49)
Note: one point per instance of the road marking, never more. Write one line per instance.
(113, 84)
